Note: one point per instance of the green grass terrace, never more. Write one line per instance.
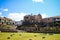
(28, 36)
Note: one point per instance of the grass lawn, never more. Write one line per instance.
(29, 36)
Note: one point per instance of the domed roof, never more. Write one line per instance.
(39, 14)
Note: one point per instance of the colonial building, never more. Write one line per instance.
(31, 23)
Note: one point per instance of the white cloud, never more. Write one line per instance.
(44, 15)
(37, 0)
(20, 16)
(0, 13)
(16, 16)
(5, 9)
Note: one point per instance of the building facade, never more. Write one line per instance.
(35, 23)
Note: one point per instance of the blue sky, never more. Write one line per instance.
(16, 9)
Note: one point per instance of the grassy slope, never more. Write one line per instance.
(27, 36)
